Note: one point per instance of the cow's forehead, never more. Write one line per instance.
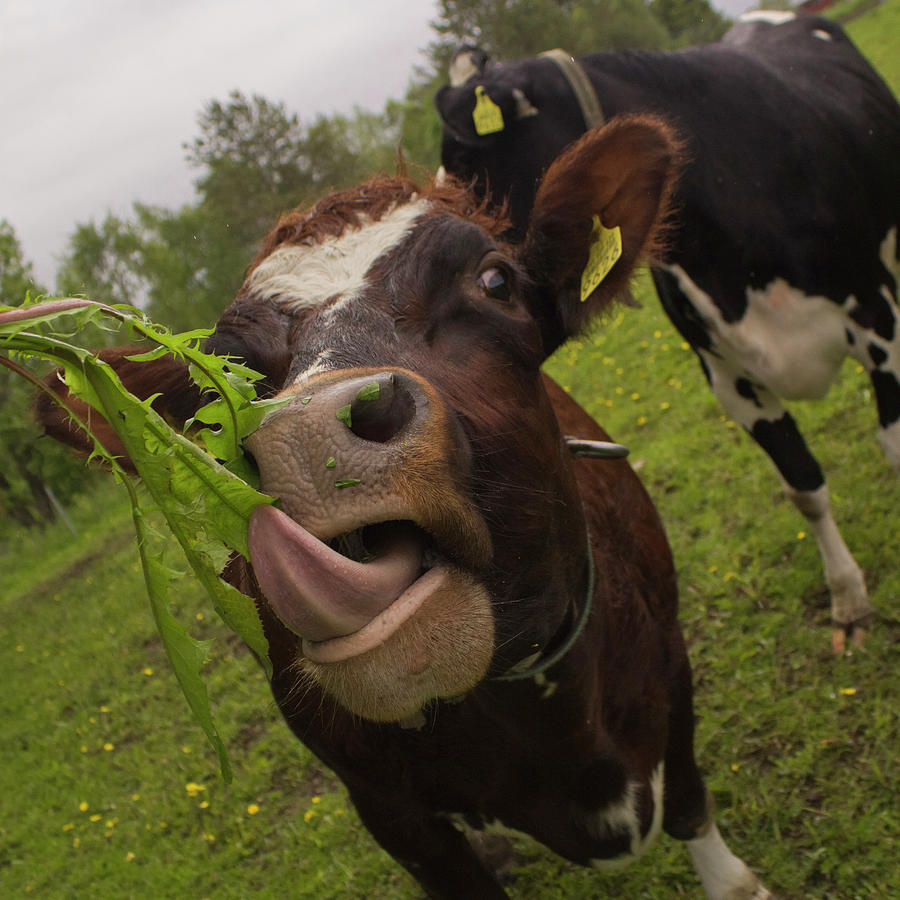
(304, 276)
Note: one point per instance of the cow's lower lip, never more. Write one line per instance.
(322, 595)
(380, 628)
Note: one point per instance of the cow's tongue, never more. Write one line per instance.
(318, 593)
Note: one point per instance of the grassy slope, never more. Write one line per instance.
(800, 747)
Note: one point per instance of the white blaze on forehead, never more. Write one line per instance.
(306, 276)
(462, 68)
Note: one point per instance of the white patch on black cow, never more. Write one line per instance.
(772, 16)
(788, 341)
(308, 276)
(880, 356)
(462, 68)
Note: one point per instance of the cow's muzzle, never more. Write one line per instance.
(370, 473)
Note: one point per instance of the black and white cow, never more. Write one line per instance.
(785, 257)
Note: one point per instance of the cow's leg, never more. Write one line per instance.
(431, 849)
(761, 413)
(880, 356)
(722, 874)
(689, 807)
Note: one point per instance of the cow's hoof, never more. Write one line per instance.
(856, 632)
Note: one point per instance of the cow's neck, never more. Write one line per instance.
(581, 87)
(573, 625)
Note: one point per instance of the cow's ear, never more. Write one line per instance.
(600, 209)
(179, 398)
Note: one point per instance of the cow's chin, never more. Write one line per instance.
(435, 641)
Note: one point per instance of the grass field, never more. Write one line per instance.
(109, 790)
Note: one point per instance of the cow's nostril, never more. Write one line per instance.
(381, 410)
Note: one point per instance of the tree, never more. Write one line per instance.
(690, 22)
(344, 150)
(103, 262)
(29, 464)
(253, 163)
(512, 28)
(256, 162)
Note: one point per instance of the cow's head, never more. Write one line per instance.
(533, 115)
(428, 529)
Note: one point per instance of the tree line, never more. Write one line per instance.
(255, 159)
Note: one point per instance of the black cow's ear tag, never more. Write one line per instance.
(606, 248)
(487, 116)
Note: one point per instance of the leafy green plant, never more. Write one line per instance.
(199, 489)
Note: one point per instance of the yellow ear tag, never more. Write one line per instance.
(487, 116)
(606, 248)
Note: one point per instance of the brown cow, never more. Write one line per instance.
(467, 624)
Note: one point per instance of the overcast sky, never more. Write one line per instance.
(99, 95)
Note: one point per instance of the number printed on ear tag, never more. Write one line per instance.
(606, 248)
(487, 116)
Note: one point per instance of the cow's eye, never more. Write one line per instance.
(495, 284)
